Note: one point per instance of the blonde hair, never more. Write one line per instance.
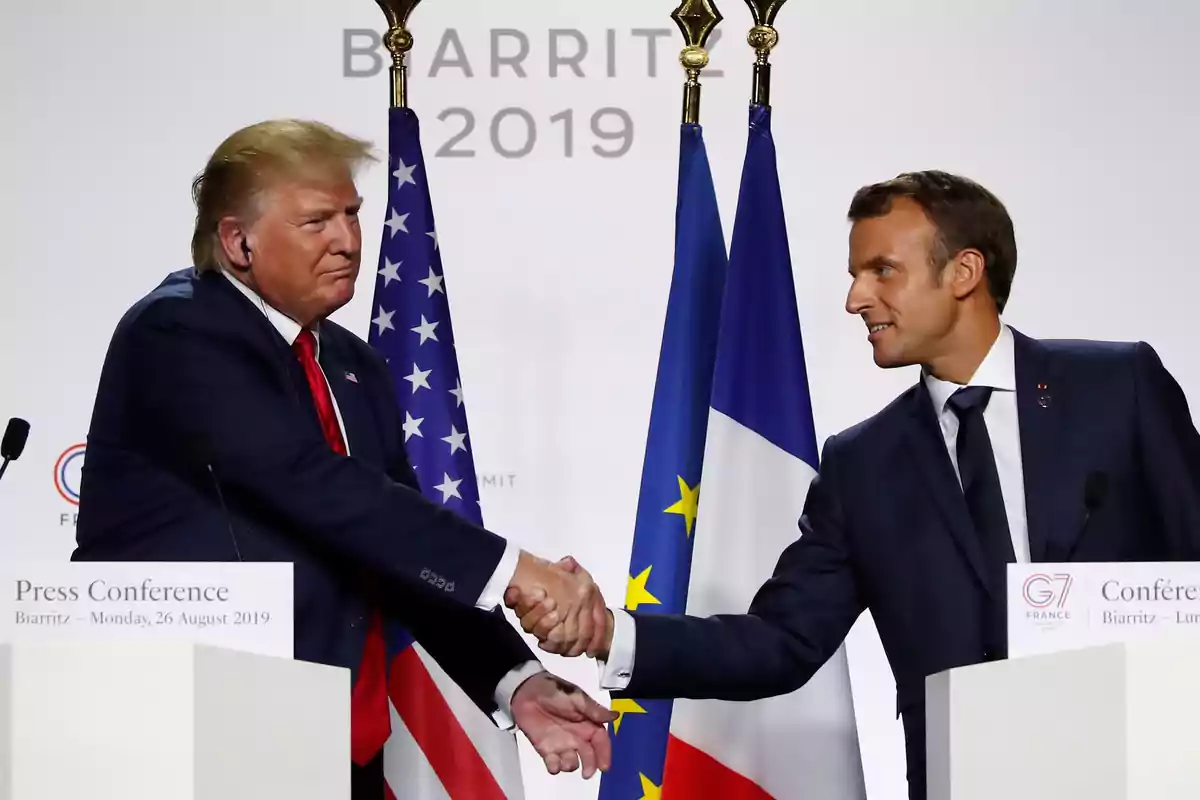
(246, 163)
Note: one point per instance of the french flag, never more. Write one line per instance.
(759, 459)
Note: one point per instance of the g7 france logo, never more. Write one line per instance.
(1042, 590)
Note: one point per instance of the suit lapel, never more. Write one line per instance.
(933, 461)
(281, 354)
(1043, 457)
(362, 435)
(222, 291)
(353, 403)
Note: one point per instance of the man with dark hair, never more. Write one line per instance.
(963, 214)
(1007, 449)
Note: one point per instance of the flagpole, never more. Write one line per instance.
(696, 19)
(763, 37)
(399, 41)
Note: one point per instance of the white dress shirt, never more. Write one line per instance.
(998, 370)
(493, 592)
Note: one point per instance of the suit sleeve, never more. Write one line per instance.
(1170, 452)
(476, 648)
(796, 621)
(217, 404)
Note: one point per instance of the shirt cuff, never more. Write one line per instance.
(508, 687)
(493, 592)
(616, 672)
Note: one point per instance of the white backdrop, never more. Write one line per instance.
(1081, 114)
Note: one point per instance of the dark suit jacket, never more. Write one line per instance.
(205, 442)
(885, 527)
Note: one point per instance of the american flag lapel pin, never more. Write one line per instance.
(350, 376)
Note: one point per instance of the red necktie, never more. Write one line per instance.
(370, 717)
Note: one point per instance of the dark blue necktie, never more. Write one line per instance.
(981, 488)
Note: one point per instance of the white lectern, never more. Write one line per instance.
(169, 721)
(1111, 722)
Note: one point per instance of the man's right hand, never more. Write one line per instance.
(561, 606)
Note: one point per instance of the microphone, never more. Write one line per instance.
(225, 509)
(13, 443)
(1095, 489)
(200, 456)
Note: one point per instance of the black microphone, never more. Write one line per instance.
(225, 509)
(13, 443)
(200, 456)
(1095, 489)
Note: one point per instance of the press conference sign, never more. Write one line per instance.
(1054, 607)
(240, 606)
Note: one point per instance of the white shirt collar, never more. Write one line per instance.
(288, 328)
(998, 371)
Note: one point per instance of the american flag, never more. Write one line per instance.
(442, 747)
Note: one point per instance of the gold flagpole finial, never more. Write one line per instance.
(696, 19)
(398, 41)
(763, 37)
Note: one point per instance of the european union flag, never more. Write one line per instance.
(660, 561)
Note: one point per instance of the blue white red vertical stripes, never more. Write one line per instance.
(442, 745)
(665, 527)
(760, 457)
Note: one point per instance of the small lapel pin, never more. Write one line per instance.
(1044, 396)
(350, 376)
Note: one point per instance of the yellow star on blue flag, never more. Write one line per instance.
(688, 503)
(637, 594)
(622, 707)
(650, 790)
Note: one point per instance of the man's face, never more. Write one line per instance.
(306, 247)
(906, 303)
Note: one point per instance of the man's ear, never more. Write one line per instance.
(968, 269)
(235, 244)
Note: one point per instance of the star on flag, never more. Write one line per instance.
(412, 331)
(689, 501)
(636, 593)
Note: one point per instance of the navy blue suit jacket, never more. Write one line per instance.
(885, 527)
(205, 445)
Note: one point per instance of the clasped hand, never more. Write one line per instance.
(561, 606)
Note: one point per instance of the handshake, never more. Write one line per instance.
(561, 605)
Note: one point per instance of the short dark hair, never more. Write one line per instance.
(965, 214)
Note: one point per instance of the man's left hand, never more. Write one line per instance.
(564, 725)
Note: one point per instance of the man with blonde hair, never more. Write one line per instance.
(226, 428)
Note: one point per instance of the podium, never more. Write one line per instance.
(151, 720)
(1109, 722)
